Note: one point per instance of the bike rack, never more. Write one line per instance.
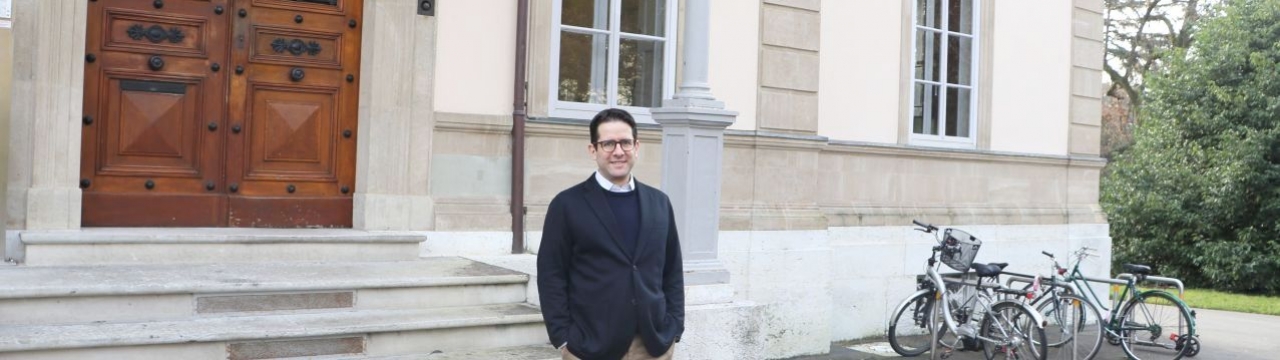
(1121, 279)
(1158, 280)
(1024, 278)
(1020, 278)
(1163, 280)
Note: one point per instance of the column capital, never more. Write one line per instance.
(693, 116)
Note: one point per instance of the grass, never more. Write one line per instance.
(1218, 300)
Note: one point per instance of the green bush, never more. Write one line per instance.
(1198, 194)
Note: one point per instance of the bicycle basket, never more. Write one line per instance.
(959, 248)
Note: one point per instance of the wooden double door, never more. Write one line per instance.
(220, 113)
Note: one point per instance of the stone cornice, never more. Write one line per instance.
(851, 147)
(772, 140)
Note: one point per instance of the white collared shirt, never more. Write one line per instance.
(611, 187)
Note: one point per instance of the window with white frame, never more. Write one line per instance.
(943, 81)
(611, 53)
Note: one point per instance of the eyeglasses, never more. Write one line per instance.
(610, 145)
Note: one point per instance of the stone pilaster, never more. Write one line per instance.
(48, 93)
(789, 42)
(692, 148)
(1085, 137)
(1086, 69)
(393, 158)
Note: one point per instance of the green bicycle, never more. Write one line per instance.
(1150, 324)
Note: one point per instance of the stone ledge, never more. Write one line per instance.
(116, 280)
(215, 236)
(243, 328)
(530, 352)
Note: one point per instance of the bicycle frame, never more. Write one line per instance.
(941, 297)
(1078, 283)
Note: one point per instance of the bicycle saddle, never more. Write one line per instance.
(992, 269)
(1137, 269)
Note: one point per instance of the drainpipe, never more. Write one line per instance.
(518, 117)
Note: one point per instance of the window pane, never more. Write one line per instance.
(959, 60)
(585, 13)
(640, 73)
(925, 109)
(583, 67)
(958, 106)
(960, 16)
(646, 17)
(928, 55)
(928, 13)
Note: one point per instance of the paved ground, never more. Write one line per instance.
(1223, 336)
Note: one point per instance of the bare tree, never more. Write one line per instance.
(1139, 37)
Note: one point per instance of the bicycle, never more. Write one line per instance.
(1152, 324)
(1074, 323)
(1007, 329)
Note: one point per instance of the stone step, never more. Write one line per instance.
(528, 352)
(82, 294)
(350, 333)
(117, 246)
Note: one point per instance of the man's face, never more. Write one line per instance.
(614, 165)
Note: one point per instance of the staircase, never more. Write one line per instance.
(259, 294)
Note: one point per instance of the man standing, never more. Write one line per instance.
(609, 270)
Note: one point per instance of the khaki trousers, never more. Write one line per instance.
(637, 352)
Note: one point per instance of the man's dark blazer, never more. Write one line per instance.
(598, 296)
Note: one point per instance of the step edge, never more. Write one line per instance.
(540, 349)
(269, 335)
(212, 236)
(115, 290)
(228, 241)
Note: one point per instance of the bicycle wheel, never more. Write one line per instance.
(1015, 334)
(1073, 329)
(909, 331)
(1152, 325)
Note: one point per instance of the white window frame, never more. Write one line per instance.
(577, 110)
(942, 140)
(6, 14)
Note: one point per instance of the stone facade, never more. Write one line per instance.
(806, 205)
(1086, 92)
(6, 86)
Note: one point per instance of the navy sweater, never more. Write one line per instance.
(626, 209)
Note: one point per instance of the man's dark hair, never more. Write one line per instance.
(608, 115)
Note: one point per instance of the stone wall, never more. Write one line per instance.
(6, 84)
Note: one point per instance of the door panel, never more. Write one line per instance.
(198, 116)
(294, 162)
(290, 135)
(151, 132)
(284, 47)
(156, 33)
(151, 154)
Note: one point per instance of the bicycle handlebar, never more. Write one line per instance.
(1046, 253)
(927, 227)
(1085, 251)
